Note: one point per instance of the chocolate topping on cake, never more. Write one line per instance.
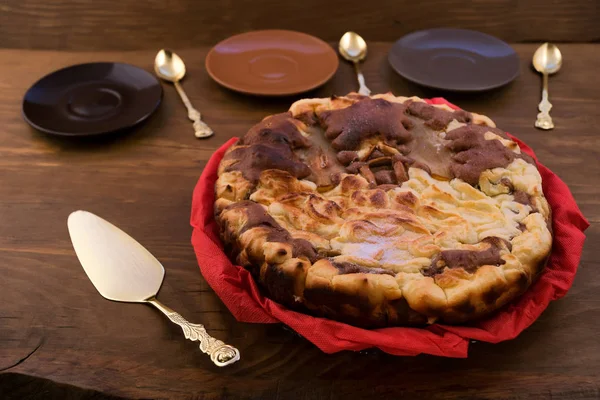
(322, 160)
(348, 127)
(522, 197)
(475, 154)
(346, 157)
(254, 159)
(385, 177)
(506, 182)
(258, 217)
(351, 268)
(279, 129)
(309, 118)
(525, 199)
(320, 147)
(269, 145)
(469, 260)
(436, 118)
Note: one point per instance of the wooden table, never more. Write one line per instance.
(54, 325)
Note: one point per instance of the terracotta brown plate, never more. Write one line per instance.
(454, 59)
(272, 62)
(91, 99)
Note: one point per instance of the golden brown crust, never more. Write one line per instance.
(436, 216)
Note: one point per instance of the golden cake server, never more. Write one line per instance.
(121, 269)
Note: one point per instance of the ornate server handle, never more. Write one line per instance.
(220, 353)
(544, 121)
(362, 87)
(201, 130)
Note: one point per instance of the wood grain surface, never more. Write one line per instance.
(53, 323)
(151, 24)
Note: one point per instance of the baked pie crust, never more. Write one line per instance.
(383, 211)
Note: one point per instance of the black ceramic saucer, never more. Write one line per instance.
(454, 59)
(92, 99)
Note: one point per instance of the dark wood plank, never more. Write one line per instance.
(130, 24)
(54, 325)
(25, 387)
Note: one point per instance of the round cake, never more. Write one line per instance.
(383, 211)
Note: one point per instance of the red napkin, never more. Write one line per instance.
(237, 289)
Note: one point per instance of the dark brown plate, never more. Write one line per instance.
(91, 99)
(454, 59)
(272, 62)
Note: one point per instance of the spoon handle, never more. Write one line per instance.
(362, 87)
(201, 130)
(544, 121)
(220, 353)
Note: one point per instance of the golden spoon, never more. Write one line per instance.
(547, 60)
(354, 49)
(170, 67)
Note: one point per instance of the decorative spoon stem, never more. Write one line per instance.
(544, 121)
(201, 130)
(362, 87)
(220, 353)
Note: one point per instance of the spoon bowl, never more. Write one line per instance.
(547, 59)
(169, 66)
(353, 47)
